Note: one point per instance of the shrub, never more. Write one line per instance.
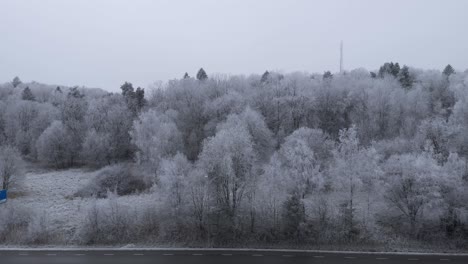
(121, 179)
(14, 221)
(108, 222)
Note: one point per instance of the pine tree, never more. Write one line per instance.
(395, 69)
(389, 68)
(384, 69)
(27, 95)
(135, 99)
(201, 75)
(265, 76)
(186, 76)
(293, 216)
(405, 78)
(16, 81)
(74, 92)
(448, 70)
(58, 89)
(140, 99)
(127, 89)
(327, 75)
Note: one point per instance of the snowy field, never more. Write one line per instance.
(50, 194)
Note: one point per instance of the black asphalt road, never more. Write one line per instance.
(216, 257)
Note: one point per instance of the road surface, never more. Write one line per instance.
(51, 256)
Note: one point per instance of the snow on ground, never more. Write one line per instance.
(51, 194)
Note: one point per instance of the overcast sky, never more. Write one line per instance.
(102, 43)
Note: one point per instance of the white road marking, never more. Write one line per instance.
(197, 254)
(257, 255)
(413, 259)
(23, 254)
(445, 259)
(288, 256)
(51, 254)
(381, 258)
(108, 254)
(167, 254)
(138, 254)
(350, 257)
(226, 254)
(80, 254)
(318, 256)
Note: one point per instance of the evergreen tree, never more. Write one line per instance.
(58, 89)
(27, 94)
(293, 216)
(448, 70)
(128, 92)
(389, 68)
(201, 75)
(373, 75)
(405, 78)
(265, 76)
(327, 75)
(127, 89)
(16, 81)
(395, 69)
(74, 92)
(186, 76)
(140, 99)
(135, 100)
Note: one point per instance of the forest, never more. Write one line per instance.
(377, 159)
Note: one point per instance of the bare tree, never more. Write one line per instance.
(11, 166)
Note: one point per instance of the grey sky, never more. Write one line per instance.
(102, 43)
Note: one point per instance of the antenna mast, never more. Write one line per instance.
(341, 57)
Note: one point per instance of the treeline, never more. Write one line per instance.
(359, 157)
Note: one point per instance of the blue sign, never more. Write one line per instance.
(3, 196)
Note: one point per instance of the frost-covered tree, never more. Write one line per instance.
(190, 98)
(411, 186)
(173, 179)
(108, 119)
(220, 108)
(54, 146)
(72, 116)
(24, 122)
(318, 142)
(434, 136)
(296, 161)
(11, 166)
(453, 192)
(330, 110)
(355, 169)
(156, 137)
(262, 138)
(228, 160)
(96, 148)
